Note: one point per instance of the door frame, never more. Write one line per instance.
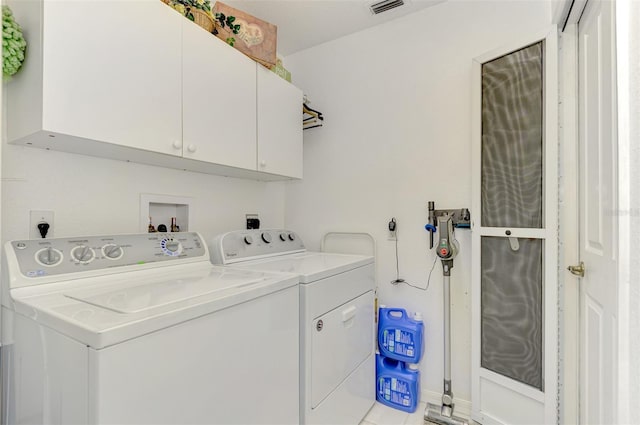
(550, 232)
(625, 83)
(569, 286)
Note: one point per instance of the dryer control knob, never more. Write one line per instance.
(248, 240)
(292, 236)
(266, 237)
(283, 237)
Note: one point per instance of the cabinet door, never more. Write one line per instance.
(279, 125)
(112, 72)
(219, 101)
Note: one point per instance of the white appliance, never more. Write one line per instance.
(142, 329)
(337, 369)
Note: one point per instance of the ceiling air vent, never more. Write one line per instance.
(385, 5)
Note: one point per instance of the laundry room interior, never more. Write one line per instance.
(400, 100)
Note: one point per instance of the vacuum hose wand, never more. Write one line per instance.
(447, 395)
(447, 250)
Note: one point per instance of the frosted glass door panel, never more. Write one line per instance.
(512, 137)
(511, 305)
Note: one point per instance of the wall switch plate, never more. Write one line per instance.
(37, 217)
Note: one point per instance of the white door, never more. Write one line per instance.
(598, 220)
(515, 235)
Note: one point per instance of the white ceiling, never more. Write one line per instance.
(307, 23)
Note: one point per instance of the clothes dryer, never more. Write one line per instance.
(337, 362)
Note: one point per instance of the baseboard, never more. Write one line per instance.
(462, 407)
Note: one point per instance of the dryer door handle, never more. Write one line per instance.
(349, 313)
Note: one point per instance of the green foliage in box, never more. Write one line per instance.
(185, 6)
(227, 21)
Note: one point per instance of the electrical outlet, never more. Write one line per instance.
(392, 227)
(37, 217)
(253, 221)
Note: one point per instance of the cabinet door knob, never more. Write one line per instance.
(263, 163)
(177, 144)
(192, 148)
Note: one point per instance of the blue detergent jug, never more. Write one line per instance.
(398, 385)
(399, 336)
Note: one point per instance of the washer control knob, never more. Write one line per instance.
(248, 240)
(283, 237)
(292, 237)
(112, 251)
(49, 257)
(171, 247)
(266, 237)
(83, 254)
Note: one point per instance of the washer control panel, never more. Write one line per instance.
(47, 257)
(244, 245)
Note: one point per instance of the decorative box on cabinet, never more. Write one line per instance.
(138, 82)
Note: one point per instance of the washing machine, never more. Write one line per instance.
(142, 329)
(337, 370)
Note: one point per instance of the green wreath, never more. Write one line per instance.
(13, 44)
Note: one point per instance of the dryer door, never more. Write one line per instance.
(341, 339)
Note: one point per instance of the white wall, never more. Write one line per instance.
(100, 196)
(396, 100)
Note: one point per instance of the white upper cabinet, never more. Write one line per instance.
(112, 72)
(136, 81)
(219, 101)
(279, 125)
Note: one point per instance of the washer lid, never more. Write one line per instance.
(309, 266)
(106, 310)
(146, 296)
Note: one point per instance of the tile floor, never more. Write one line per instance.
(383, 415)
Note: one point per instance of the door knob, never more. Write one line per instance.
(577, 270)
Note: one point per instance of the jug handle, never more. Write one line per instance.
(389, 363)
(390, 314)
